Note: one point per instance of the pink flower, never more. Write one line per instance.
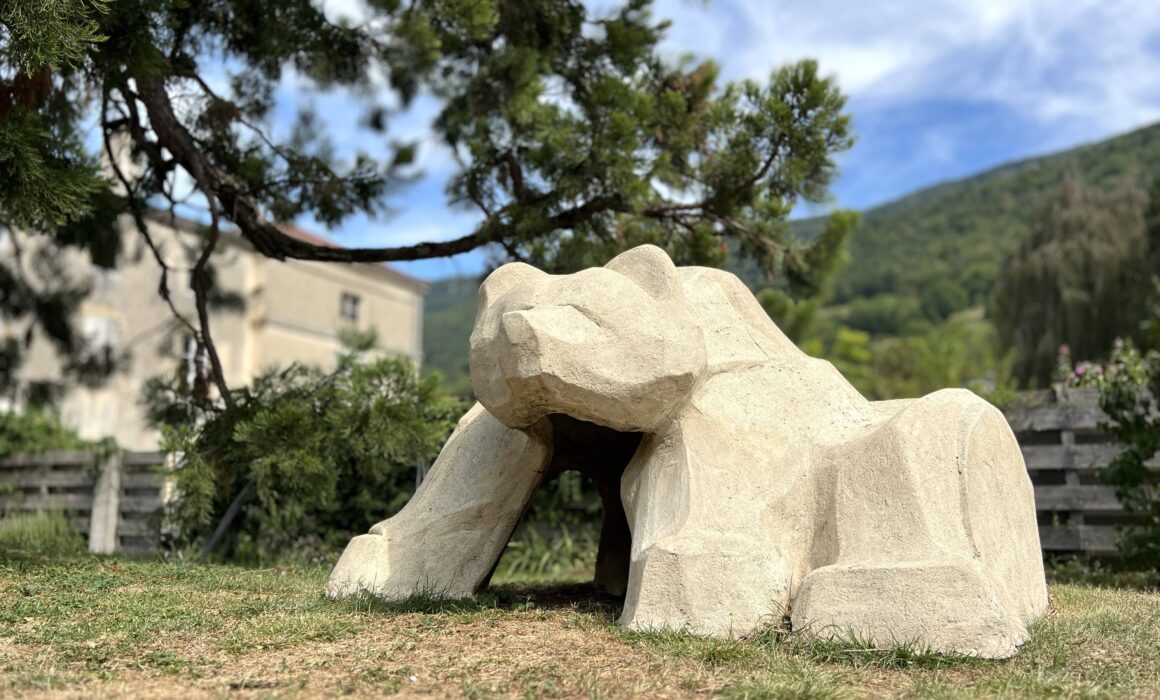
(1064, 349)
(1081, 369)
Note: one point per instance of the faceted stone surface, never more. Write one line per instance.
(742, 480)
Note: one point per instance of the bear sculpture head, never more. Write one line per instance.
(615, 345)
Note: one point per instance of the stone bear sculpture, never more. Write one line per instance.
(742, 480)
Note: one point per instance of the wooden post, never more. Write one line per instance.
(106, 510)
(42, 471)
(1075, 519)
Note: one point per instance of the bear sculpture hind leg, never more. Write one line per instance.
(928, 605)
(936, 537)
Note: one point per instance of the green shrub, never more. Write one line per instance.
(1096, 573)
(558, 536)
(942, 298)
(568, 500)
(1129, 387)
(47, 534)
(324, 454)
(885, 314)
(34, 431)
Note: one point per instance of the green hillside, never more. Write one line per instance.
(448, 314)
(962, 230)
(957, 231)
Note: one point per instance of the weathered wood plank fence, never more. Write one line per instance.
(1058, 432)
(117, 504)
(115, 501)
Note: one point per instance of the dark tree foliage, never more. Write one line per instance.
(1081, 279)
(941, 298)
(885, 314)
(574, 139)
(48, 182)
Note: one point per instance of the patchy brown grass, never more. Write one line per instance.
(121, 628)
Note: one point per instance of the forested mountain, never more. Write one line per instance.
(448, 315)
(956, 232)
(961, 231)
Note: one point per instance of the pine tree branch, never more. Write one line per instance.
(198, 273)
(269, 240)
(201, 301)
(237, 205)
(709, 203)
(142, 227)
(242, 210)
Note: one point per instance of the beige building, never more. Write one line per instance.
(291, 311)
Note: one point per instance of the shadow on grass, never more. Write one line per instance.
(847, 650)
(576, 597)
(53, 587)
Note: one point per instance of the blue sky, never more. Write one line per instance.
(938, 89)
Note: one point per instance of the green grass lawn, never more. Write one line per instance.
(87, 626)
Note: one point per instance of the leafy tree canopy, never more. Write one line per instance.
(573, 138)
(569, 129)
(320, 454)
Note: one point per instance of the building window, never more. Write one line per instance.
(100, 332)
(348, 308)
(100, 336)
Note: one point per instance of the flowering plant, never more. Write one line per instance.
(1129, 391)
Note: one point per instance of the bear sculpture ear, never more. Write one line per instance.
(652, 270)
(504, 279)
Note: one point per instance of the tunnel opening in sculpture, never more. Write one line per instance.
(601, 455)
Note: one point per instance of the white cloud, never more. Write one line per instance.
(1089, 62)
(1083, 67)
(938, 146)
(421, 218)
(353, 11)
(1051, 72)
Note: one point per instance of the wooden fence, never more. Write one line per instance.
(1058, 432)
(117, 504)
(114, 502)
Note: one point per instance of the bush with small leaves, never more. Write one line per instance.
(306, 458)
(1129, 389)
